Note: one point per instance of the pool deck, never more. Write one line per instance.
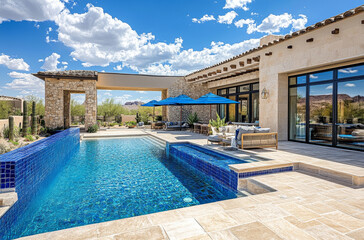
(309, 203)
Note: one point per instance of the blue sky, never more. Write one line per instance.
(140, 36)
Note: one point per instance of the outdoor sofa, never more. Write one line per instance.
(175, 125)
(245, 136)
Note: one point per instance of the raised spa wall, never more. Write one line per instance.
(26, 169)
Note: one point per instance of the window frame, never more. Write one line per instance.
(308, 83)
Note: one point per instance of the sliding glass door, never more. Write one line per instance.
(328, 107)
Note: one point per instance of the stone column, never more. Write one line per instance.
(91, 107)
(67, 109)
(164, 108)
(53, 104)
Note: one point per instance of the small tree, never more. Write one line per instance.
(25, 119)
(5, 109)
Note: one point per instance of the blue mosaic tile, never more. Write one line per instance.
(263, 172)
(28, 168)
(211, 163)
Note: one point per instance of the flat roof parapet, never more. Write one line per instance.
(83, 74)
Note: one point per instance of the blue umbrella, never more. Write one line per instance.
(212, 99)
(150, 104)
(153, 104)
(166, 102)
(177, 101)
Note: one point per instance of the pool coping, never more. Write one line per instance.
(94, 230)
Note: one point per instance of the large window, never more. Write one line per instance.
(248, 108)
(327, 107)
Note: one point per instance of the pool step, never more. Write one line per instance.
(8, 198)
(155, 142)
(244, 192)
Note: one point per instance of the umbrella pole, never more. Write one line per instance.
(153, 113)
(180, 118)
(210, 112)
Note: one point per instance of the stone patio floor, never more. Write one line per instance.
(302, 207)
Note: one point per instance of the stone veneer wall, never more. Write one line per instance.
(57, 100)
(194, 91)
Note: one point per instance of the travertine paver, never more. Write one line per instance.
(303, 207)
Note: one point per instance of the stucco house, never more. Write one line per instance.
(308, 85)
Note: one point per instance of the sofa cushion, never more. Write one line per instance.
(261, 130)
(358, 132)
(230, 129)
(214, 138)
(243, 130)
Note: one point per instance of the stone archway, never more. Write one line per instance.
(59, 85)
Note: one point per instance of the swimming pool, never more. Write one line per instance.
(108, 179)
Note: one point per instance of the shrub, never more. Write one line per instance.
(218, 122)
(93, 128)
(15, 143)
(4, 147)
(16, 132)
(42, 131)
(29, 138)
(131, 124)
(192, 118)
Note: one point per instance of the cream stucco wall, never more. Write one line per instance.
(326, 51)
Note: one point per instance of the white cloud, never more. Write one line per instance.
(228, 18)
(51, 62)
(40, 60)
(329, 87)
(191, 60)
(107, 94)
(313, 76)
(242, 22)
(254, 14)
(205, 18)
(118, 68)
(26, 84)
(273, 23)
(142, 92)
(99, 39)
(65, 63)
(350, 85)
(48, 40)
(348, 70)
(34, 10)
(14, 63)
(232, 4)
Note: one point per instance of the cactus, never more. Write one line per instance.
(11, 128)
(138, 118)
(34, 120)
(25, 119)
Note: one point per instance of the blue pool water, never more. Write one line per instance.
(111, 179)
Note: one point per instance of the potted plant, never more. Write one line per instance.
(131, 124)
